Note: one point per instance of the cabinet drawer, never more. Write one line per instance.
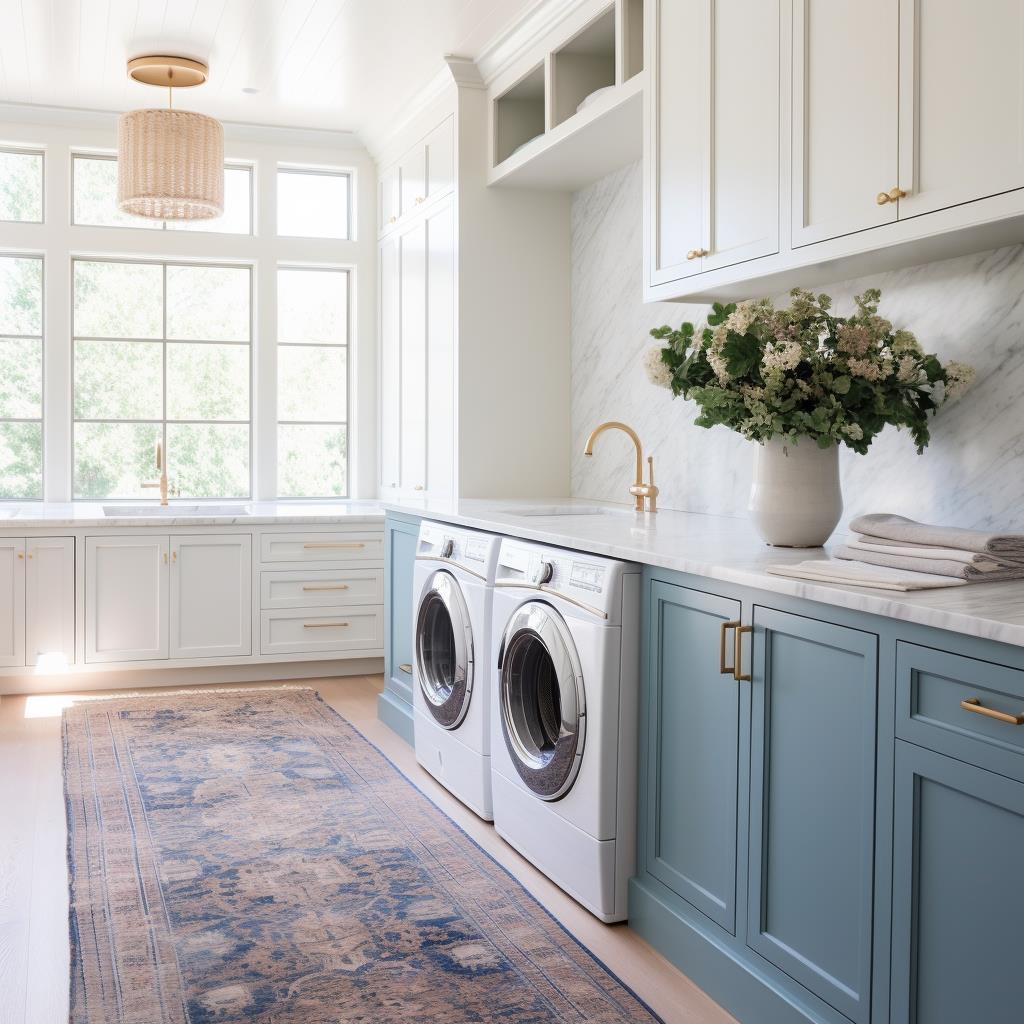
(318, 588)
(322, 547)
(931, 688)
(322, 629)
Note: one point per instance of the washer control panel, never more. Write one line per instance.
(553, 569)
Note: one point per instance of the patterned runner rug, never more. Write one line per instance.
(249, 856)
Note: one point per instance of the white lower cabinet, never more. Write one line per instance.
(149, 598)
(50, 601)
(211, 596)
(12, 602)
(322, 629)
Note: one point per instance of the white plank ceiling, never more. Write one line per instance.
(330, 64)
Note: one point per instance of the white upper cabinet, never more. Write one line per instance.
(412, 173)
(49, 599)
(845, 116)
(413, 372)
(425, 172)
(961, 102)
(440, 159)
(712, 137)
(390, 364)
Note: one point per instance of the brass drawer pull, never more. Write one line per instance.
(891, 196)
(336, 544)
(407, 669)
(333, 586)
(726, 670)
(323, 625)
(696, 254)
(975, 705)
(739, 674)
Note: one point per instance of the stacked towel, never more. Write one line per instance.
(858, 574)
(972, 556)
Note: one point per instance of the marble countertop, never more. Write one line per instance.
(77, 515)
(728, 549)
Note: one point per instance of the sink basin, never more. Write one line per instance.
(142, 511)
(550, 511)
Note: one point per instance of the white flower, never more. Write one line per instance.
(909, 372)
(658, 371)
(741, 317)
(781, 357)
(853, 431)
(718, 363)
(959, 377)
(865, 368)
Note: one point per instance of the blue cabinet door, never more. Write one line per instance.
(690, 737)
(395, 705)
(812, 790)
(958, 902)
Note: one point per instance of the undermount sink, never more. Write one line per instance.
(142, 511)
(550, 511)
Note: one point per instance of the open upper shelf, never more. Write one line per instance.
(575, 112)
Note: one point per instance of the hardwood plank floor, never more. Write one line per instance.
(33, 876)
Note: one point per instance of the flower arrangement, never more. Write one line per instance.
(805, 372)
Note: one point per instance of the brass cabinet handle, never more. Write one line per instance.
(738, 673)
(407, 669)
(391, 220)
(21, 554)
(420, 199)
(336, 544)
(726, 670)
(695, 254)
(891, 196)
(332, 586)
(975, 705)
(322, 625)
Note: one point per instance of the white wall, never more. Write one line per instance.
(970, 308)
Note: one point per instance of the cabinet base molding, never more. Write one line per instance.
(733, 977)
(396, 715)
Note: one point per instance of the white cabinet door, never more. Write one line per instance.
(961, 101)
(845, 116)
(49, 600)
(440, 311)
(413, 178)
(211, 596)
(126, 598)
(675, 127)
(413, 276)
(388, 199)
(12, 602)
(389, 299)
(440, 147)
(741, 177)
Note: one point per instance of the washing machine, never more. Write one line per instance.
(564, 723)
(453, 583)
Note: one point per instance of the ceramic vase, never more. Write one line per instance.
(795, 498)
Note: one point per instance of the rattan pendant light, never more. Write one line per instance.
(170, 163)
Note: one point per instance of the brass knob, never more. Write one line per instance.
(891, 196)
(419, 199)
(694, 254)
(391, 220)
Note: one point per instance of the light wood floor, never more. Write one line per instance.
(33, 876)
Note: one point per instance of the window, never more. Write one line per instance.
(161, 353)
(95, 199)
(312, 203)
(312, 382)
(21, 377)
(21, 185)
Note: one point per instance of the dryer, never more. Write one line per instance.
(453, 579)
(564, 722)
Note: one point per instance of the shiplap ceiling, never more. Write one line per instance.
(329, 64)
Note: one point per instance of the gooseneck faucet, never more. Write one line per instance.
(643, 492)
(161, 464)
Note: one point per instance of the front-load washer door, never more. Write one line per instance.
(543, 708)
(444, 650)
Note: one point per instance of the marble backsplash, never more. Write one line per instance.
(970, 309)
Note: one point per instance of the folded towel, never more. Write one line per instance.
(984, 572)
(978, 559)
(906, 531)
(859, 574)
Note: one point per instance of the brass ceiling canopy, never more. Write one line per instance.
(173, 72)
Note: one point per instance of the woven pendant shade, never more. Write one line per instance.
(170, 165)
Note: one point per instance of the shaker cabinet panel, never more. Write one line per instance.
(845, 116)
(50, 600)
(692, 743)
(12, 602)
(399, 562)
(440, 346)
(440, 149)
(812, 798)
(390, 366)
(413, 348)
(961, 102)
(957, 897)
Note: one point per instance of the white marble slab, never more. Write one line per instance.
(726, 548)
(77, 515)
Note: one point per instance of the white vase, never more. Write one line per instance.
(795, 498)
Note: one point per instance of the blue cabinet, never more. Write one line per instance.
(394, 706)
(958, 903)
(812, 804)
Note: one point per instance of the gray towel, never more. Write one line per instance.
(906, 531)
(933, 566)
(983, 560)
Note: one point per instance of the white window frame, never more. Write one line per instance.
(29, 151)
(59, 133)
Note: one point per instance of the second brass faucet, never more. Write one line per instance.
(646, 494)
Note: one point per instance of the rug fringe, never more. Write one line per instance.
(192, 691)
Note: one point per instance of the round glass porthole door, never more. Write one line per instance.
(543, 712)
(444, 650)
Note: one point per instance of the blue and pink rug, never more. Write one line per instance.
(248, 856)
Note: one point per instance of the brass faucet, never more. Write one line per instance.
(641, 491)
(162, 482)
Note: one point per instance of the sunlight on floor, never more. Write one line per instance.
(48, 705)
